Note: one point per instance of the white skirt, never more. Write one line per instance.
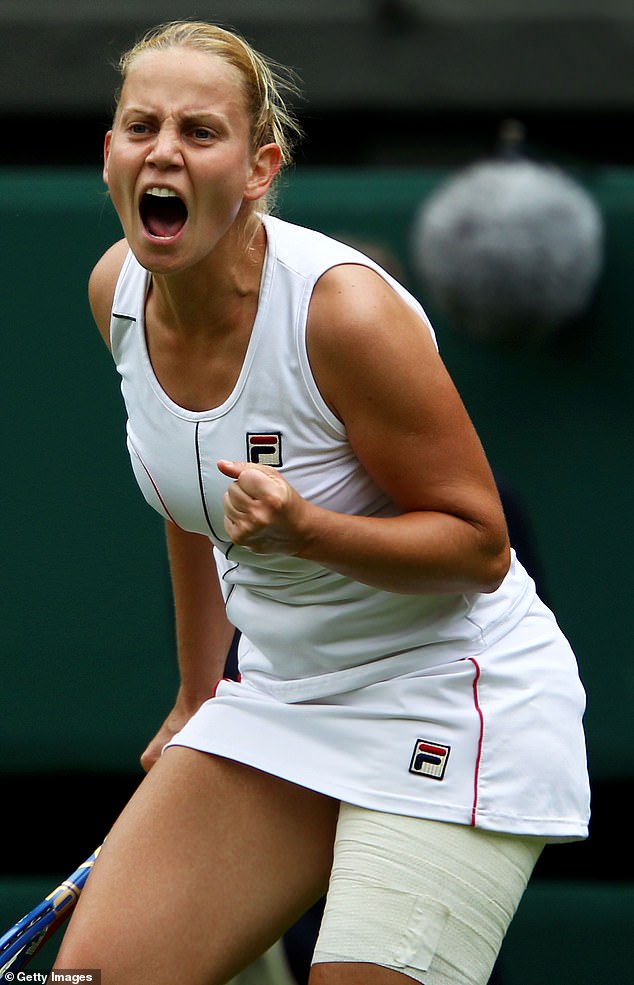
(494, 741)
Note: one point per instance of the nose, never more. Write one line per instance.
(165, 151)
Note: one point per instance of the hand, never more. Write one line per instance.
(174, 722)
(262, 511)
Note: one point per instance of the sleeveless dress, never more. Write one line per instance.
(463, 708)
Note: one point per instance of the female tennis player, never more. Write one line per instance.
(407, 729)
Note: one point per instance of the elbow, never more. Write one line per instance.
(495, 566)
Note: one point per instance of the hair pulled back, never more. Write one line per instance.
(267, 86)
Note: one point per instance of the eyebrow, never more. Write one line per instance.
(189, 116)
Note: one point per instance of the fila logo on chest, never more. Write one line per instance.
(264, 448)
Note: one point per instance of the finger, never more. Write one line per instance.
(150, 756)
(262, 483)
(238, 513)
(238, 499)
(236, 470)
(229, 468)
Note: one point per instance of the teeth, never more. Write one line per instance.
(161, 192)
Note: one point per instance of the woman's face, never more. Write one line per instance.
(178, 160)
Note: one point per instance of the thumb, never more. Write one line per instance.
(231, 469)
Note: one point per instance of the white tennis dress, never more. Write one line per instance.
(464, 708)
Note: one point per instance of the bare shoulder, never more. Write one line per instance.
(360, 328)
(102, 283)
(352, 300)
(375, 362)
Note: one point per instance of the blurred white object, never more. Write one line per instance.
(509, 249)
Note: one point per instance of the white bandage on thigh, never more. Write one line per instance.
(428, 899)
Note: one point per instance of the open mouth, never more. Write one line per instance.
(163, 213)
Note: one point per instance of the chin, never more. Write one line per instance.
(159, 256)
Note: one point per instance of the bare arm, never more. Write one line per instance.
(203, 632)
(379, 371)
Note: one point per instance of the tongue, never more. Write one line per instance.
(164, 227)
(164, 216)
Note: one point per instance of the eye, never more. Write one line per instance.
(202, 134)
(138, 129)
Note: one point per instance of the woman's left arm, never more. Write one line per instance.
(378, 369)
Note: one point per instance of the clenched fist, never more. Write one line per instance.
(262, 511)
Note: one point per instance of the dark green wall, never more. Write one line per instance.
(86, 635)
(87, 647)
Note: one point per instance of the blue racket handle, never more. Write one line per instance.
(21, 942)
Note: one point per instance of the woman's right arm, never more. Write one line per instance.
(203, 632)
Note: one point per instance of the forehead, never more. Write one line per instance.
(184, 74)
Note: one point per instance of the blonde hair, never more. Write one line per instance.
(267, 85)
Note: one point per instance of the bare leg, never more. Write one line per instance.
(206, 867)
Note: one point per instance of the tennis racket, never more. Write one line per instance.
(29, 934)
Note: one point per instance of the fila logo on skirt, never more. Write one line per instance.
(429, 759)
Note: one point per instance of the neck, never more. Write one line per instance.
(206, 297)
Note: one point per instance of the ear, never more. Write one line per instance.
(106, 155)
(266, 164)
